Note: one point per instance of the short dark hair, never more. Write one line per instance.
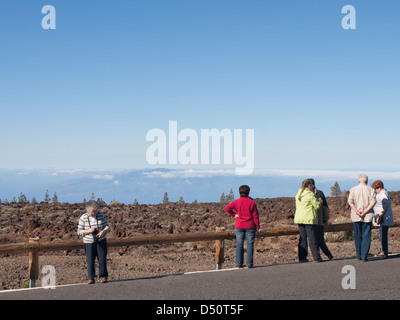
(244, 190)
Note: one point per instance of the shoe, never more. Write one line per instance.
(303, 260)
(382, 255)
(103, 280)
(90, 282)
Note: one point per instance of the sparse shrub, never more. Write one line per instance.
(22, 199)
(340, 236)
(46, 197)
(165, 198)
(115, 204)
(230, 197)
(335, 190)
(227, 198)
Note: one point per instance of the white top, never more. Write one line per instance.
(92, 219)
(383, 202)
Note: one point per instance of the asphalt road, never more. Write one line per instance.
(375, 279)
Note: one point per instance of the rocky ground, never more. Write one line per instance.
(52, 222)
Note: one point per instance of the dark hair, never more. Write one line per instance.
(378, 184)
(244, 190)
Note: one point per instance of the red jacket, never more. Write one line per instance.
(246, 208)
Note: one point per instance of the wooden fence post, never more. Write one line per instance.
(219, 250)
(33, 265)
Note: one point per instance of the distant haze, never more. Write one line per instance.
(148, 185)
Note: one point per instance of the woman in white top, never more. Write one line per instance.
(383, 214)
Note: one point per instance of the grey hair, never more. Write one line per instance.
(363, 178)
(92, 205)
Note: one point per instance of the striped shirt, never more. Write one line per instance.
(86, 222)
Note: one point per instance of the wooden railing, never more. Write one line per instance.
(34, 246)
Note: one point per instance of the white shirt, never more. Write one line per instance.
(383, 202)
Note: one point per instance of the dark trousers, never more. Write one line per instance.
(383, 234)
(362, 239)
(99, 250)
(321, 241)
(308, 233)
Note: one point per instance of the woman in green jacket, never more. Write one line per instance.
(307, 218)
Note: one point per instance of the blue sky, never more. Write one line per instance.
(84, 96)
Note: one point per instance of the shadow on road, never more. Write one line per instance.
(371, 258)
(149, 277)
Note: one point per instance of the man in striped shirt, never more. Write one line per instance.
(93, 226)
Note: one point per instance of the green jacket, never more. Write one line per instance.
(306, 209)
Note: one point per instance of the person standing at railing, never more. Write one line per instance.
(323, 217)
(306, 218)
(383, 215)
(93, 226)
(362, 199)
(247, 223)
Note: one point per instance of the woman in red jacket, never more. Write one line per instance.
(247, 223)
